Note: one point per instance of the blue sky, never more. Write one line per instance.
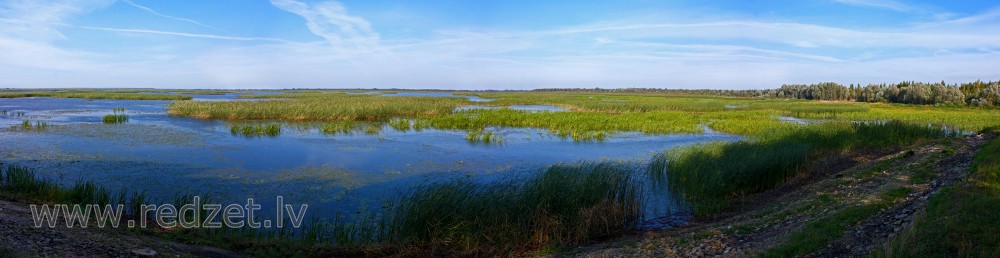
(734, 44)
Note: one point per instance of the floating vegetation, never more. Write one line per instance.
(483, 136)
(118, 110)
(400, 124)
(258, 130)
(115, 119)
(338, 127)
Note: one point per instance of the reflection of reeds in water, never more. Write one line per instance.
(258, 130)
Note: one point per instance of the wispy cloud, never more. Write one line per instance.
(154, 12)
(331, 21)
(882, 4)
(182, 34)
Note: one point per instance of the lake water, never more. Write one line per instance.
(168, 155)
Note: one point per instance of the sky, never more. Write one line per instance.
(493, 44)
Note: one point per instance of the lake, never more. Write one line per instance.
(167, 156)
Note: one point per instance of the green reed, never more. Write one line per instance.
(115, 119)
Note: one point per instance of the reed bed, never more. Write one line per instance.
(115, 119)
(400, 124)
(562, 205)
(338, 127)
(715, 176)
(570, 122)
(319, 107)
(94, 95)
(23, 183)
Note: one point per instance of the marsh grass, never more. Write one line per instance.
(716, 176)
(255, 130)
(36, 126)
(484, 136)
(562, 205)
(95, 94)
(338, 127)
(115, 119)
(22, 183)
(400, 124)
(318, 107)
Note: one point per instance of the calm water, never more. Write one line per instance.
(174, 155)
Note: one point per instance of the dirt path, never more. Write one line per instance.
(19, 238)
(840, 183)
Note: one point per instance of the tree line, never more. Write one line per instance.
(976, 93)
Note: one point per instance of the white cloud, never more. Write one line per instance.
(331, 21)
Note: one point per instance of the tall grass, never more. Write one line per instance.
(22, 183)
(563, 205)
(94, 95)
(714, 177)
(338, 127)
(318, 107)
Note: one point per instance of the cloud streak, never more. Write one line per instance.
(154, 12)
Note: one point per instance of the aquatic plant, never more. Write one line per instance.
(118, 110)
(21, 182)
(400, 124)
(318, 107)
(483, 136)
(338, 127)
(561, 205)
(115, 119)
(38, 125)
(255, 130)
